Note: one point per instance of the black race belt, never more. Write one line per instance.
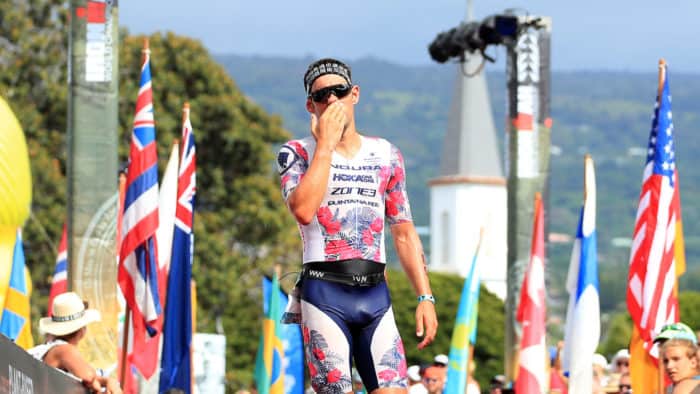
(353, 272)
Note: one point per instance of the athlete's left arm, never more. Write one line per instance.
(410, 253)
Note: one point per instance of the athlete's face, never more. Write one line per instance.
(326, 81)
(679, 364)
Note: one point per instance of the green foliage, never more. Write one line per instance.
(689, 302)
(447, 289)
(617, 335)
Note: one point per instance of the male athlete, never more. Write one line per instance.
(342, 187)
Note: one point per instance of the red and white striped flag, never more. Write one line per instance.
(138, 265)
(657, 257)
(531, 314)
(59, 282)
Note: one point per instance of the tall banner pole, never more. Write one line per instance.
(527, 158)
(93, 169)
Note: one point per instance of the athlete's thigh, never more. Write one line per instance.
(378, 349)
(327, 341)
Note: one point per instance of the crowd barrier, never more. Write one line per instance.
(20, 373)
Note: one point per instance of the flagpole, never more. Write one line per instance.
(125, 346)
(127, 311)
(662, 80)
(185, 116)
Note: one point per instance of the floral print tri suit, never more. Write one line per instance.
(343, 322)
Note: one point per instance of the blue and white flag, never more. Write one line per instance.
(292, 343)
(177, 328)
(583, 315)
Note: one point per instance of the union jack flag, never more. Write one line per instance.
(138, 265)
(59, 282)
(177, 328)
(657, 256)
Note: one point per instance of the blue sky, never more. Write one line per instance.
(622, 35)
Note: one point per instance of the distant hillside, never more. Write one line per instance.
(603, 113)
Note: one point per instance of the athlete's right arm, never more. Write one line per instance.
(306, 198)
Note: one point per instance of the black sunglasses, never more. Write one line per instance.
(339, 91)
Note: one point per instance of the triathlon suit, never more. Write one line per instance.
(344, 321)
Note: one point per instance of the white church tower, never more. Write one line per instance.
(470, 192)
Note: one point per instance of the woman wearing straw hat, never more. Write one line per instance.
(64, 329)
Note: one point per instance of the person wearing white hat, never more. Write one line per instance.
(64, 329)
(620, 362)
(441, 360)
(415, 381)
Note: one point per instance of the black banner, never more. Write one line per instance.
(21, 373)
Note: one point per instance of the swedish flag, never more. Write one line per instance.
(464, 332)
(269, 374)
(15, 322)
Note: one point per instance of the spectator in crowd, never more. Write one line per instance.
(600, 370)
(415, 381)
(441, 360)
(472, 385)
(679, 353)
(497, 384)
(624, 386)
(620, 363)
(64, 329)
(434, 379)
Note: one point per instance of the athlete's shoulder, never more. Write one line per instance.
(380, 143)
(294, 151)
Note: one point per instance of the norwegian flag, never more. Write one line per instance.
(657, 255)
(138, 264)
(532, 312)
(177, 328)
(59, 282)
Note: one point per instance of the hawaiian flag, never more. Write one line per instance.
(138, 263)
(177, 328)
(657, 257)
(59, 282)
(531, 314)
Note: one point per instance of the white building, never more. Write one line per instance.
(470, 192)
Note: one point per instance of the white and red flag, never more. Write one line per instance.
(532, 372)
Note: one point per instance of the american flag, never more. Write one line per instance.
(59, 282)
(138, 266)
(177, 328)
(531, 313)
(657, 257)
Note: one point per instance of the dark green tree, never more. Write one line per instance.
(488, 352)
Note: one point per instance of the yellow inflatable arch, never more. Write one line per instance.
(15, 189)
